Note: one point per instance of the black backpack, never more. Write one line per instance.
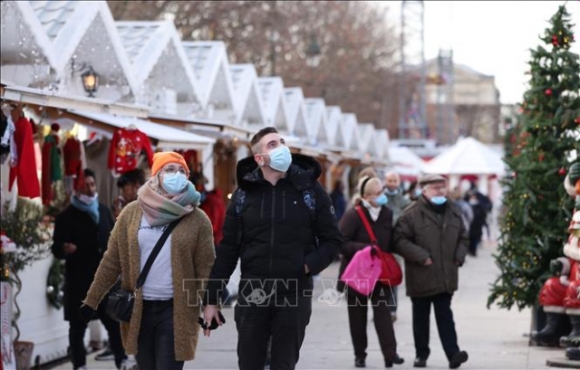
(308, 196)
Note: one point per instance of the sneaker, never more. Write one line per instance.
(106, 355)
(359, 362)
(420, 362)
(129, 365)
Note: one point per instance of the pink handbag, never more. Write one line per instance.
(363, 271)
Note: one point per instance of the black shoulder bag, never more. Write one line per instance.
(120, 302)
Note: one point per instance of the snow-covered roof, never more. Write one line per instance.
(209, 61)
(85, 32)
(271, 91)
(382, 143)
(157, 57)
(467, 157)
(347, 126)
(23, 39)
(365, 136)
(248, 102)
(316, 118)
(333, 117)
(297, 123)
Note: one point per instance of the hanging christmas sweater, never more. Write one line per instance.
(125, 148)
(73, 163)
(51, 166)
(25, 167)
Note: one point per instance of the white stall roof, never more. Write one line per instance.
(467, 157)
(366, 132)
(347, 126)
(316, 119)
(404, 157)
(209, 62)
(169, 138)
(271, 91)
(245, 86)
(155, 52)
(58, 100)
(296, 112)
(23, 38)
(382, 143)
(84, 31)
(333, 116)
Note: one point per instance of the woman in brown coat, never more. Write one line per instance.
(372, 200)
(163, 330)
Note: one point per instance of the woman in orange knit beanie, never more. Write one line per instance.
(162, 331)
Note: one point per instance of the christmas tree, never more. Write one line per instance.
(536, 208)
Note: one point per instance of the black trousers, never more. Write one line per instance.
(445, 324)
(282, 319)
(156, 343)
(76, 337)
(357, 317)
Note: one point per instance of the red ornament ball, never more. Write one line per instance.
(562, 171)
(577, 120)
(548, 92)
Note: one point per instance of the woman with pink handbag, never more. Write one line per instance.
(360, 269)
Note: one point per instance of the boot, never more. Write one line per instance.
(572, 339)
(547, 336)
(573, 353)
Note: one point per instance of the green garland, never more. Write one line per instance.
(55, 283)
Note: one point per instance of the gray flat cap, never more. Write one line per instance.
(429, 179)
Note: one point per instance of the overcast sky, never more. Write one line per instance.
(492, 37)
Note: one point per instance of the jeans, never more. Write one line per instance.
(156, 344)
(357, 318)
(284, 320)
(76, 337)
(445, 324)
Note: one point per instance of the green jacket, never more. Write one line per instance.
(422, 233)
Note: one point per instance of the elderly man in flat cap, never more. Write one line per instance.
(432, 239)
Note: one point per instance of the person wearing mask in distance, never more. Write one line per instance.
(284, 231)
(81, 234)
(372, 200)
(396, 203)
(163, 328)
(128, 184)
(432, 239)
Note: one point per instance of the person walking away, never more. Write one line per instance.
(81, 234)
(465, 207)
(396, 202)
(338, 199)
(278, 195)
(477, 224)
(430, 236)
(163, 328)
(355, 238)
(128, 184)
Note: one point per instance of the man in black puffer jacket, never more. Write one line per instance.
(281, 242)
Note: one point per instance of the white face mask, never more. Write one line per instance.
(86, 199)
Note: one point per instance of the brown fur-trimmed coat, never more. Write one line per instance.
(192, 258)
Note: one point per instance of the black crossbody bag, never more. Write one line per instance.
(120, 303)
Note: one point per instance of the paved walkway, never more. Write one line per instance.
(494, 338)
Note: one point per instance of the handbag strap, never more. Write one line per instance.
(366, 224)
(154, 253)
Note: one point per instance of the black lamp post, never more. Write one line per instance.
(90, 81)
(313, 53)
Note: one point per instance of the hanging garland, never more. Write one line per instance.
(55, 284)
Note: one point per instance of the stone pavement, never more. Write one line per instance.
(494, 338)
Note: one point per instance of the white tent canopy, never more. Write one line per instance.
(168, 138)
(405, 162)
(333, 116)
(316, 118)
(467, 157)
(272, 96)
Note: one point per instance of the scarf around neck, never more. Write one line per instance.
(162, 208)
(92, 209)
(373, 211)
